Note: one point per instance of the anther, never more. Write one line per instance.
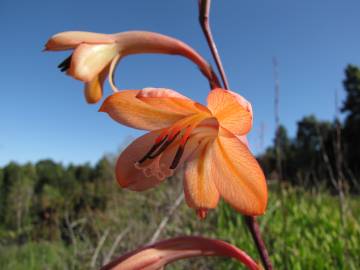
(152, 150)
(164, 146)
(178, 156)
(65, 65)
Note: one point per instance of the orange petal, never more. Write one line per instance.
(128, 110)
(158, 255)
(127, 175)
(238, 176)
(94, 89)
(70, 39)
(170, 100)
(231, 110)
(244, 140)
(199, 187)
(89, 60)
(135, 42)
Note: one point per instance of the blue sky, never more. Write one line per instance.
(43, 113)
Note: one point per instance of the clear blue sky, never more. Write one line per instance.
(43, 113)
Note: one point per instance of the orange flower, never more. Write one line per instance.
(209, 141)
(96, 55)
(160, 254)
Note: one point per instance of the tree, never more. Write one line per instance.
(17, 191)
(302, 158)
(351, 107)
(313, 145)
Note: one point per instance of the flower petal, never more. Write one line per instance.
(135, 42)
(199, 187)
(158, 255)
(231, 110)
(94, 89)
(127, 175)
(238, 176)
(128, 110)
(171, 100)
(70, 39)
(88, 60)
(244, 140)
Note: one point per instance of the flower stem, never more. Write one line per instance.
(204, 13)
(259, 242)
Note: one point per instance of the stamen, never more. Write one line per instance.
(174, 133)
(152, 150)
(65, 65)
(186, 135)
(164, 146)
(161, 136)
(178, 156)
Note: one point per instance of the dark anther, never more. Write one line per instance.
(163, 147)
(178, 156)
(65, 65)
(152, 150)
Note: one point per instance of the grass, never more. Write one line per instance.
(35, 256)
(303, 230)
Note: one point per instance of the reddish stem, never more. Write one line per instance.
(259, 242)
(204, 13)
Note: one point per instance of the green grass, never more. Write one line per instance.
(34, 256)
(303, 230)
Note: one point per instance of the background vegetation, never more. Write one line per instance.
(75, 217)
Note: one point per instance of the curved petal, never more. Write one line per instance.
(127, 175)
(94, 89)
(232, 111)
(70, 39)
(238, 176)
(88, 60)
(135, 42)
(128, 110)
(170, 100)
(244, 140)
(158, 255)
(243, 102)
(199, 187)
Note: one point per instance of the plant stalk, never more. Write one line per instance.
(204, 14)
(259, 242)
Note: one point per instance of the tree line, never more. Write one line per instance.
(37, 201)
(322, 152)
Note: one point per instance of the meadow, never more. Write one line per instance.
(304, 229)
